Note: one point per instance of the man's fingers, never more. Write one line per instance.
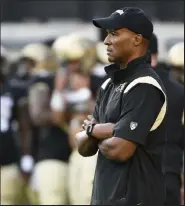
(92, 120)
(87, 122)
(90, 117)
(83, 126)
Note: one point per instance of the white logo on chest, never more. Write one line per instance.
(120, 87)
(133, 125)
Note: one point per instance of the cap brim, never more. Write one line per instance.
(104, 23)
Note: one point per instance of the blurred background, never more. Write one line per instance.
(29, 21)
(52, 59)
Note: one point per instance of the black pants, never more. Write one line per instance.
(173, 185)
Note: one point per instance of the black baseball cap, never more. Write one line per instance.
(131, 18)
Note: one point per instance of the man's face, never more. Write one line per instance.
(120, 45)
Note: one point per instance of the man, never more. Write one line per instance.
(173, 157)
(14, 141)
(81, 170)
(128, 116)
(73, 96)
(51, 147)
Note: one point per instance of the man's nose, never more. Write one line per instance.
(107, 40)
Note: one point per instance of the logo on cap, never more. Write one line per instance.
(119, 11)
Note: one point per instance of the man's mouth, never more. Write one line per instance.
(109, 51)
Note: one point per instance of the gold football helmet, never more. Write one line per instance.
(75, 48)
(59, 47)
(41, 55)
(176, 55)
(176, 60)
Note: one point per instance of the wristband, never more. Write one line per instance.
(90, 129)
(27, 163)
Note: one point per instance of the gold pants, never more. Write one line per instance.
(51, 177)
(12, 185)
(81, 175)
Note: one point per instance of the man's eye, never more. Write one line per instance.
(113, 33)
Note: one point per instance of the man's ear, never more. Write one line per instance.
(138, 39)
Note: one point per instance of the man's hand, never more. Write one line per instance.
(116, 148)
(90, 120)
(87, 146)
(100, 131)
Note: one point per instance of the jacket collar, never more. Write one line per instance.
(117, 75)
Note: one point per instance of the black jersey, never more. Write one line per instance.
(51, 141)
(8, 146)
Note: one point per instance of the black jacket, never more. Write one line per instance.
(132, 98)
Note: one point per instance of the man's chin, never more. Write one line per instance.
(111, 59)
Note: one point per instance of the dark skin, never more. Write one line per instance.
(123, 46)
(40, 112)
(24, 129)
(59, 117)
(114, 148)
(87, 146)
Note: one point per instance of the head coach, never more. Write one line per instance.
(129, 115)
